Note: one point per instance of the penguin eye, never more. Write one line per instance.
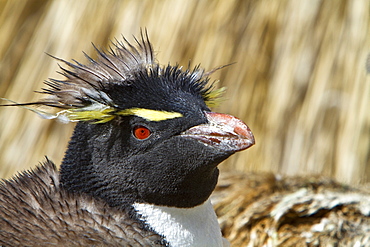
(141, 132)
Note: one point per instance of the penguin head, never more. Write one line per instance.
(145, 132)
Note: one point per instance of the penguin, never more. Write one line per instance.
(142, 161)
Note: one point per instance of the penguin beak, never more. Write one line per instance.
(224, 132)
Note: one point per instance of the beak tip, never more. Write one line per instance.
(237, 135)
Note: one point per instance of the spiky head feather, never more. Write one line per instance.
(110, 85)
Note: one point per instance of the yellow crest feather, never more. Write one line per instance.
(106, 114)
(151, 115)
(214, 97)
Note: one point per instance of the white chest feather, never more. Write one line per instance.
(194, 227)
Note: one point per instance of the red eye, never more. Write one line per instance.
(141, 132)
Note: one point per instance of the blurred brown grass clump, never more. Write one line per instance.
(299, 80)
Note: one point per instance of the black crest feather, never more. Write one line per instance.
(89, 91)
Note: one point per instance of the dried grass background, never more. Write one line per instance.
(299, 80)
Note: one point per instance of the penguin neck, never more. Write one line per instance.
(195, 226)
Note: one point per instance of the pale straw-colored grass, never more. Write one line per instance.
(299, 80)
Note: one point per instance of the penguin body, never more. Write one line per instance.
(36, 211)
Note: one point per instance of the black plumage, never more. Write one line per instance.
(145, 134)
